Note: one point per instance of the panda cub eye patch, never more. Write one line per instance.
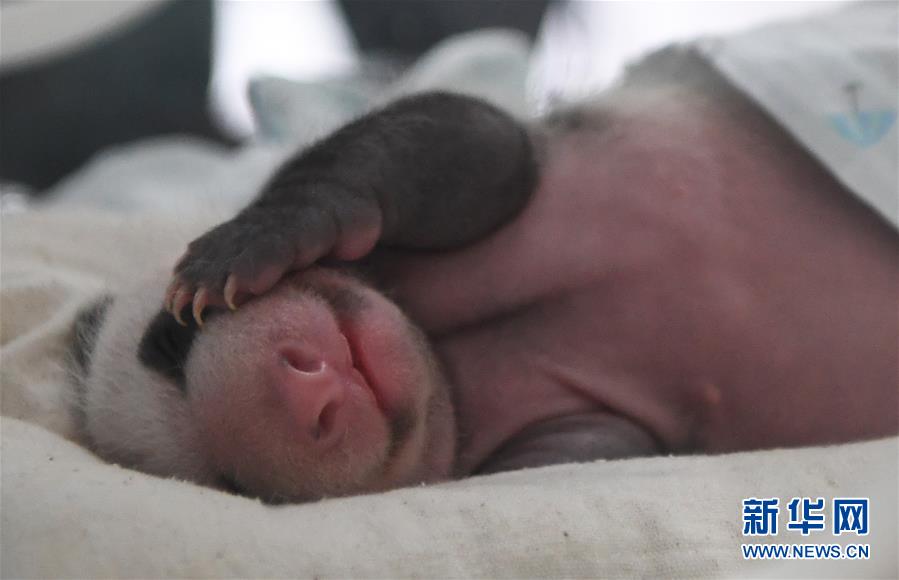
(165, 345)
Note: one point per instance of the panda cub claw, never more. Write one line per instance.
(201, 300)
(230, 292)
(245, 257)
(181, 298)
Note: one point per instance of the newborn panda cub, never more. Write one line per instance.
(261, 369)
(436, 291)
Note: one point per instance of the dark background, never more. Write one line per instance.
(151, 77)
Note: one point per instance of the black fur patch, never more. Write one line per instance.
(87, 325)
(165, 346)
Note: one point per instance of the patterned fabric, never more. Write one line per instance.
(832, 81)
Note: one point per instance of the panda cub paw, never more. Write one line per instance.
(247, 255)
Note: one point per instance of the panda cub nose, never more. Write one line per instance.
(311, 384)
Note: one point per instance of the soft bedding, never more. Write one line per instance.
(66, 513)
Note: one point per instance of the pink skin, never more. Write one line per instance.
(693, 270)
(294, 384)
(685, 265)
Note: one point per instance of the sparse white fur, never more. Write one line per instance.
(136, 416)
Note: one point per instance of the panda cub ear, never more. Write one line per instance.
(87, 326)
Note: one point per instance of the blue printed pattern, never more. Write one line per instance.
(863, 128)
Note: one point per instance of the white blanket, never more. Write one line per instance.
(65, 513)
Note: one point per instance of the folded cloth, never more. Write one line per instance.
(831, 81)
(67, 514)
